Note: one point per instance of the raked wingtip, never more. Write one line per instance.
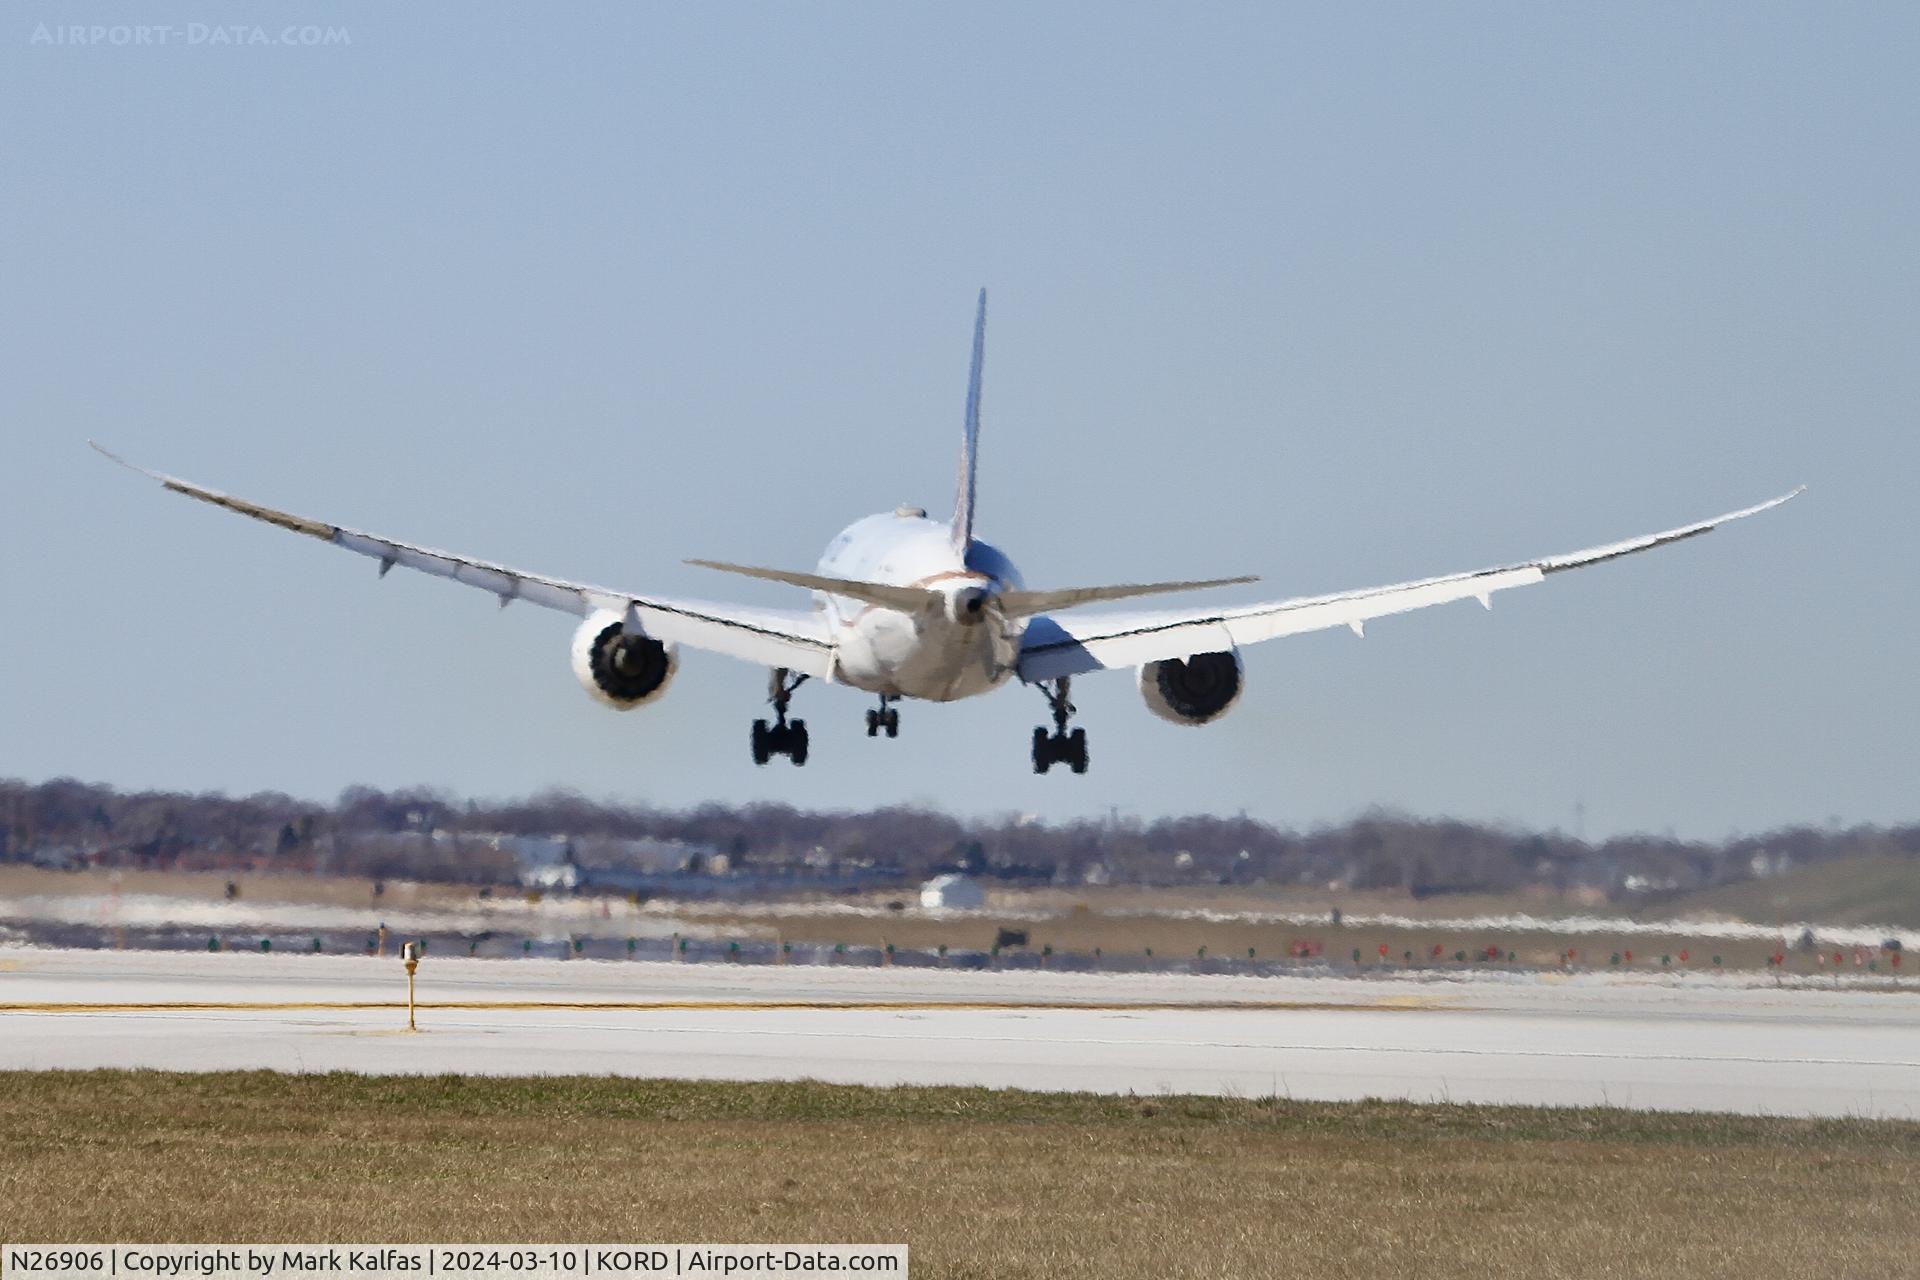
(111, 456)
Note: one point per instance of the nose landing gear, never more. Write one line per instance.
(1059, 747)
(780, 738)
(887, 718)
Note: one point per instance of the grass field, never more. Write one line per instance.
(978, 1183)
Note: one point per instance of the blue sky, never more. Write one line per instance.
(1338, 295)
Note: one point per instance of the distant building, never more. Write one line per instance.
(544, 862)
(952, 892)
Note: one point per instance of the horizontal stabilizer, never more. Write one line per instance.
(1021, 604)
(905, 599)
(1012, 604)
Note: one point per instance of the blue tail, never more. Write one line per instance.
(969, 445)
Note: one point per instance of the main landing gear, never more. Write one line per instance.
(887, 718)
(1059, 747)
(780, 738)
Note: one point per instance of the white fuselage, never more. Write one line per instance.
(947, 650)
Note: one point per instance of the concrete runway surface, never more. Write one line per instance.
(1655, 1042)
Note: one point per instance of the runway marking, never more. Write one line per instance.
(924, 1037)
(1608, 1055)
(1402, 1004)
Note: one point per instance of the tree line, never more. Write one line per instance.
(428, 834)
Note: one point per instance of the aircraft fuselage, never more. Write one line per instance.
(957, 647)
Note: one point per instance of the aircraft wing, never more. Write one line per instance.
(1075, 644)
(767, 637)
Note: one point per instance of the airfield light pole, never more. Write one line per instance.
(411, 955)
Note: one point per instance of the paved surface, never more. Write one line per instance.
(1670, 1043)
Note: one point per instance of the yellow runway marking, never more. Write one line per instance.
(1396, 1005)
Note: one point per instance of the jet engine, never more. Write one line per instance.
(1197, 691)
(620, 667)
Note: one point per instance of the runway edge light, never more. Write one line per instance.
(410, 956)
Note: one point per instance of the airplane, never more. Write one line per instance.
(907, 606)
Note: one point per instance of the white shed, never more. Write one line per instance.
(955, 892)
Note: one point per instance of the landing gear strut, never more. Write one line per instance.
(780, 738)
(887, 718)
(1059, 747)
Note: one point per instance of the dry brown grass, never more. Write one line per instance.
(210, 886)
(979, 1183)
(1122, 922)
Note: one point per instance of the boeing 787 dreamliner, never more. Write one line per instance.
(906, 606)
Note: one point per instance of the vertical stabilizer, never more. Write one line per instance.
(969, 444)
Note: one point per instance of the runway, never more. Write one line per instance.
(1656, 1042)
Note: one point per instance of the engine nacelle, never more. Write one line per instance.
(623, 669)
(1197, 691)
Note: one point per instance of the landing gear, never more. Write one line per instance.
(1060, 746)
(887, 718)
(781, 738)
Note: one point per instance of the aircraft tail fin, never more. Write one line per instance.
(962, 526)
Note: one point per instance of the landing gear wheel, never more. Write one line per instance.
(873, 723)
(884, 717)
(1060, 746)
(781, 738)
(891, 722)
